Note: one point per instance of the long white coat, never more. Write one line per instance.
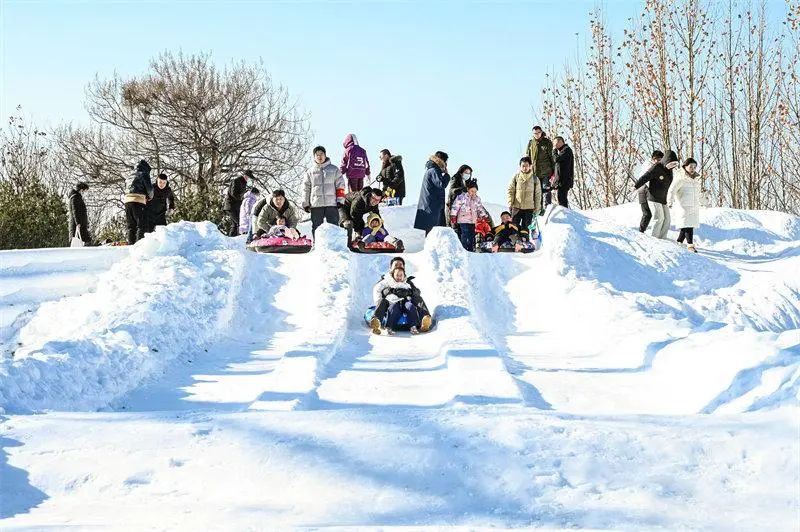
(684, 199)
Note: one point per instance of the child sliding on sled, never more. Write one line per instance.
(374, 231)
(395, 297)
(508, 233)
(281, 230)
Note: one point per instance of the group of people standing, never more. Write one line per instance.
(663, 186)
(544, 168)
(146, 205)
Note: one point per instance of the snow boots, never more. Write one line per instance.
(375, 325)
(425, 324)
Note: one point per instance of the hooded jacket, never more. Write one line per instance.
(355, 164)
(78, 215)
(235, 194)
(323, 185)
(658, 178)
(393, 176)
(380, 233)
(246, 211)
(685, 195)
(269, 215)
(430, 207)
(140, 188)
(525, 192)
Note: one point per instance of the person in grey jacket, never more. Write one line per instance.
(324, 190)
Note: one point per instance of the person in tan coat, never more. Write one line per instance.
(524, 194)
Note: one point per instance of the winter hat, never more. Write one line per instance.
(471, 183)
(669, 157)
(688, 161)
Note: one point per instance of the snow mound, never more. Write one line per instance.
(624, 260)
(171, 295)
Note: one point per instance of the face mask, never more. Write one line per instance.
(466, 176)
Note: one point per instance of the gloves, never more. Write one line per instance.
(541, 213)
(306, 207)
(453, 221)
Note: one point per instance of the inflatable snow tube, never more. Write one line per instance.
(378, 247)
(486, 247)
(276, 244)
(402, 325)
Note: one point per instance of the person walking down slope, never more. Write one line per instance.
(234, 198)
(355, 164)
(540, 151)
(430, 207)
(524, 195)
(323, 188)
(686, 194)
(392, 176)
(658, 179)
(140, 190)
(163, 202)
(641, 192)
(78, 215)
(564, 171)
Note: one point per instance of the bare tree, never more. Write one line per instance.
(195, 122)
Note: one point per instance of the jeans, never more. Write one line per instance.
(320, 214)
(660, 220)
(467, 236)
(136, 217)
(686, 233)
(646, 217)
(397, 309)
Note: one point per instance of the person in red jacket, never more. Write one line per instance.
(355, 164)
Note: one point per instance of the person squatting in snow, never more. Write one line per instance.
(464, 214)
(686, 194)
(396, 295)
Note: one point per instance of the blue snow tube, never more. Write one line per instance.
(402, 324)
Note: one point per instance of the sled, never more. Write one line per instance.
(377, 247)
(486, 247)
(275, 244)
(402, 324)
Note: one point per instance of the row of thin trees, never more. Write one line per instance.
(713, 80)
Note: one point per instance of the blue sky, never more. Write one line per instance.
(410, 76)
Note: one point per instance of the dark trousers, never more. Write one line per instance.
(84, 232)
(647, 215)
(355, 183)
(563, 196)
(466, 233)
(136, 216)
(547, 191)
(320, 214)
(522, 218)
(233, 230)
(397, 309)
(153, 220)
(686, 233)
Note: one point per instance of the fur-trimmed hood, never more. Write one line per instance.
(438, 162)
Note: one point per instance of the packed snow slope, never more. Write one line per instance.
(609, 380)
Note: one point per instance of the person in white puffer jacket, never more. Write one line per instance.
(323, 190)
(686, 194)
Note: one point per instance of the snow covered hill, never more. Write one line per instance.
(607, 381)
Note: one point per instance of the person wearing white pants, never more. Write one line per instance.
(661, 219)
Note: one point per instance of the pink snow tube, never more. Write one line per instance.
(277, 244)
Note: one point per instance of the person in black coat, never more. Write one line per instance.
(647, 214)
(233, 200)
(432, 195)
(658, 180)
(356, 205)
(78, 215)
(564, 171)
(140, 190)
(163, 201)
(392, 174)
